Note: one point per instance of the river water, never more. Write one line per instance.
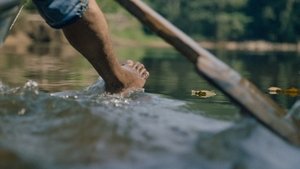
(54, 114)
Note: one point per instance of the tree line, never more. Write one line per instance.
(270, 20)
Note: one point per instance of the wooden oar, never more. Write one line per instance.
(244, 93)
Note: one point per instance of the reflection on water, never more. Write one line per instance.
(64, 120)
(55, 68)
(269, 69)
(173, 76)
(59, 69)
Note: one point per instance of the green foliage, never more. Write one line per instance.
(272, 20)
(108, 6)
(29, 6)
(213, 19)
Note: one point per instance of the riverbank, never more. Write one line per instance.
(255, 46)
(126, 31)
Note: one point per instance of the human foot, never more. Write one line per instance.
(132, 77)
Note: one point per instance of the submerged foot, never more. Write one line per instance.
(132, 77)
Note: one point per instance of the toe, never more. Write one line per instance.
(130, 63)
(142, 71)
(136, 65)
(140, 68)
(145, 74)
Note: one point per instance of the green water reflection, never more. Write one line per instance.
(173, 76)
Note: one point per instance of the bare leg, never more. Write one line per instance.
(90, 36)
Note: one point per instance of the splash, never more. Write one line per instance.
(31, 86)
(95, 95)
(2, 88)
(17, 100)
(90, 129)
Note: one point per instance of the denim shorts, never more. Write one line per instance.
(59, 13)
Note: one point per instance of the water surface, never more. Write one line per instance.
(64, 120)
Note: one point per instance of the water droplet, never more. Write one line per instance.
(22, 112)
(31, 84)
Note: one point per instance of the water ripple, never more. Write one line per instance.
(89, 129)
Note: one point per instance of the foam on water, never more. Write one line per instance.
(89, 129)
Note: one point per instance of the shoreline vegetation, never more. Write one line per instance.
(126, 31)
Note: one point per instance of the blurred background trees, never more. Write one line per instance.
(220, 20)
(271, 20)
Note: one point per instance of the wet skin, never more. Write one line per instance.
(90, 36)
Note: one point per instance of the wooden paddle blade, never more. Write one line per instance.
(245, 94)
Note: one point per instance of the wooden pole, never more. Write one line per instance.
(244, 93)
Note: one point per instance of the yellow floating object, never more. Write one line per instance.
(274, 90)
(203, 93)
(293, 92)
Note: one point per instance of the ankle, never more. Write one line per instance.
(114, 86)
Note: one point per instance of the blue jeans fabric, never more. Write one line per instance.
(59, 13)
